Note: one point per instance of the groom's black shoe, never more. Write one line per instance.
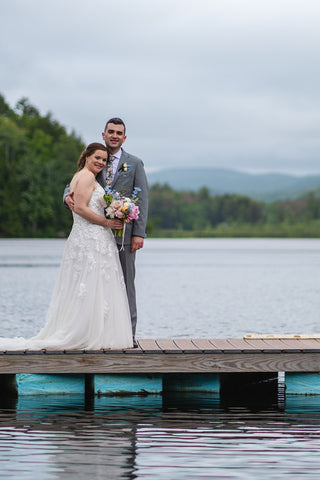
(135, 343)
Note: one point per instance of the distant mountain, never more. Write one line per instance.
(265, 186)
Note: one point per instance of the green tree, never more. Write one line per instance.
(37, 159)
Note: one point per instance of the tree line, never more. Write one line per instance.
(231, 214)
(38, 158)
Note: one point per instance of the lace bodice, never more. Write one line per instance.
(89, 238)
(95, 204)
(81, 226)
(96, 201)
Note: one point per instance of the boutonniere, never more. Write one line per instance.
(124, 167)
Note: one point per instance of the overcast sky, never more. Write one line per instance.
(228, 83)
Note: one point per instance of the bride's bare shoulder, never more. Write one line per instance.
(83, 176)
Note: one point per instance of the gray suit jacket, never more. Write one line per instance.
(124, 183)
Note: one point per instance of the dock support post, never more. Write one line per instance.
(89, 391)
(249, 386)
(89, 385)
(8, 385)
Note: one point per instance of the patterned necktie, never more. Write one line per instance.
(109, 170)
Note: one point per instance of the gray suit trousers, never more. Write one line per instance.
(127, 260)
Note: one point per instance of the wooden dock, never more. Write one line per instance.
(175, 355)
(160, 358)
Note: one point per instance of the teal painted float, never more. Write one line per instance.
(126, 384)
(302, 383)
(116, 384)
(38, 384)
(144, 384)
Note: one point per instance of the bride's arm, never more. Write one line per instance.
(82, 194)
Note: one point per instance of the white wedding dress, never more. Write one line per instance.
(89, 307)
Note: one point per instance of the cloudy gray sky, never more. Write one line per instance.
(228, 83)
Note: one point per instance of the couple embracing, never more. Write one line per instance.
(93, 305)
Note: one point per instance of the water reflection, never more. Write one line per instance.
(191, 436)
(65, 440)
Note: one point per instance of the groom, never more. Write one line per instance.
(126, 174)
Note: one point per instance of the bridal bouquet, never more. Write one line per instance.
(121, 207)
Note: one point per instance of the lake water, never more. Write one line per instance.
(186, 288)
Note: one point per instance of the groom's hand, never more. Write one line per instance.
(70, 201)
(136, 243)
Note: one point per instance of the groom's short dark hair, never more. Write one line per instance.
(116, 121)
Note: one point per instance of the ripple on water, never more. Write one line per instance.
(145, 437)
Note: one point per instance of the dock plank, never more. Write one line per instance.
(243, 345)
(281, 344)
(263, 346)
(276, 343)
(302, 344)
(167, 345)
(186, 345)
(15, 352)
(204, 345)
(223, 344)
(148, 345)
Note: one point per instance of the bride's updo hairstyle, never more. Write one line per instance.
(91, 148)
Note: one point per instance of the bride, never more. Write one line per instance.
(89, 307)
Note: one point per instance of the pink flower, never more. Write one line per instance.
(116, 204)
(118, 214)
(134, 213)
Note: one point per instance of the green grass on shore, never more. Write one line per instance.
(309, 229)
